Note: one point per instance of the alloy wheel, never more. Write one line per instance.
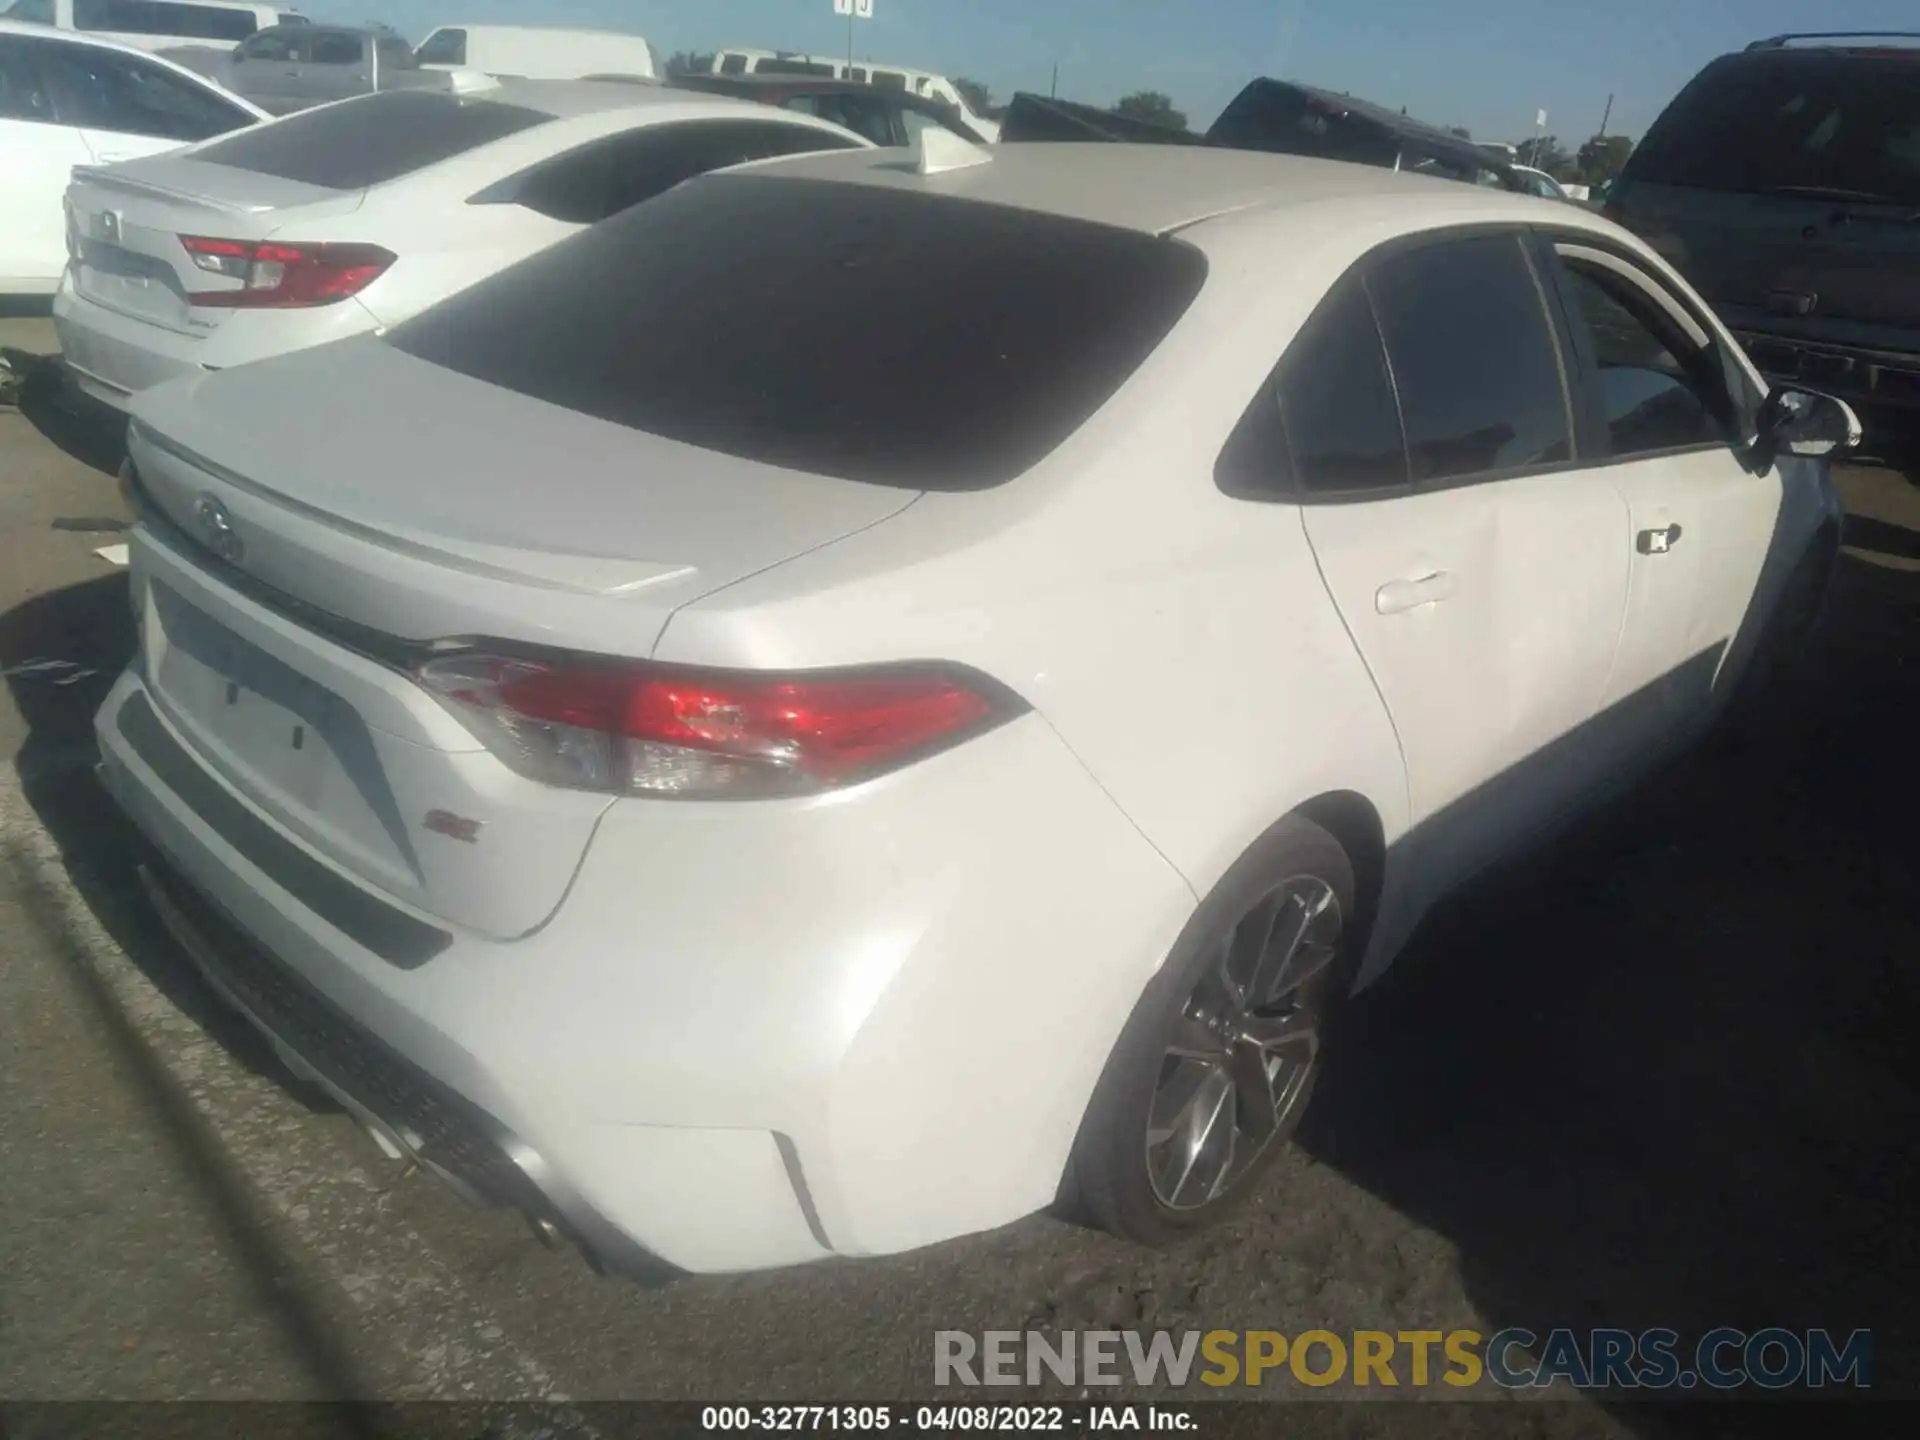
(1244, 1045)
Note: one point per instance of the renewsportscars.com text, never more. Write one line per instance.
(1721, 1359)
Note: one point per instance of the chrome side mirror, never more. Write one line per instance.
(1807, 423)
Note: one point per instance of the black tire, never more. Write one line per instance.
(1116, 1179)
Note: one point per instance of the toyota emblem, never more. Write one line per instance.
(216, 527)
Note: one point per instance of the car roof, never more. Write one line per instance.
(572, 99)
(1156, 188)
(804, 85)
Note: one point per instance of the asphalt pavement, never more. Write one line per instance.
(1661, 1073)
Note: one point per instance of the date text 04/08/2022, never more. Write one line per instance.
(936, 1419)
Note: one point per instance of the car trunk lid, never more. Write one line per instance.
(295, 565)
(125, 225)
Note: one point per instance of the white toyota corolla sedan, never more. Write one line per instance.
(342, 219)
(869, 694)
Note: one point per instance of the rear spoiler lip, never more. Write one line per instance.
(103, 176)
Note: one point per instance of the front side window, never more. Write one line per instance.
(330, 47)
(1652, 392)
(1473, 358)
(893, 336)
(101, 89)
(274, 47)
(444, 47)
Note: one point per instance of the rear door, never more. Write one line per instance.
(38, 152)
(1702, 521)
(1484, 582)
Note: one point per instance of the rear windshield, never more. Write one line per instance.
(881, 335)
(1843, 127)
(372, 140)
(1290, 122)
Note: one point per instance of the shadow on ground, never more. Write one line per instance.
(1666, 1074)
(92, 433)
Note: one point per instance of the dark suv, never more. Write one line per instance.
(1784, 182)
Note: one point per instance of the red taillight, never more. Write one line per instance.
(644, 730)
(284, 276)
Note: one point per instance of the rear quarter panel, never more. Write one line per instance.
(1180, 642)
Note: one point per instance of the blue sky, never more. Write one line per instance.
(1486, 64)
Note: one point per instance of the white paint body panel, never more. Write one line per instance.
(914, 983)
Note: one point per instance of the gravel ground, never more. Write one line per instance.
(1662, 1073)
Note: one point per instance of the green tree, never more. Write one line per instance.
(1602, 159)
(1461, 131)
(1151, 105)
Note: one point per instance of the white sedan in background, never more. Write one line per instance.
(356, 215)
(860, 697)
(69, 100)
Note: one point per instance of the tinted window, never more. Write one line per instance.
(330, 47)
(395, 53)
(101, 89)
(1792, 121)
(1270, 116)
(21, 97)
(372, 139)
(444, 47)
(31, 12)
(1652, 398)
(143, 17)
(733, 64)
(889, 80)
(1476, 367)
(793, 67)
(1328, 422)
(587, 185)
(893, 336)
(276, 46)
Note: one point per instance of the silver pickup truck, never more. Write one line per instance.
(284, 68)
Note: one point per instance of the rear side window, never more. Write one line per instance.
(1327, 424)
(444, 47)
(891, 336)
(1474, 361)
(794, 67)
(274, 46)
(144, 17)
(373, 139)
(733, 64)
(585, 186)
(102, 89)
(1843, 127)
(889, 80)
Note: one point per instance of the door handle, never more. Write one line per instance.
(1396, 597)
(1658, 541)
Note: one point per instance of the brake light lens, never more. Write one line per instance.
(284, 276)
(702, 735)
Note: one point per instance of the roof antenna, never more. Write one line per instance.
(936, 151)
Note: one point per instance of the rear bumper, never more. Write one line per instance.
(747, 1039)
(113, 356)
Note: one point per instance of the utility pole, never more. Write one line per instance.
(1053, 90)
(1605, 116)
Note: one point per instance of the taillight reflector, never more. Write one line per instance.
(284, 276)
(672, 733)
